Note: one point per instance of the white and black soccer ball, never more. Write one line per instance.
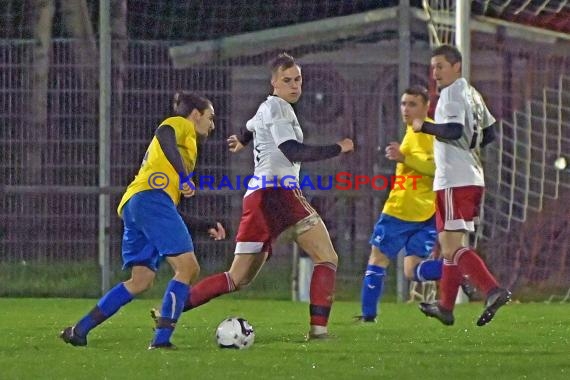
(235, 332)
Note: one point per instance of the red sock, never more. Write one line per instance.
(321, 293)
(470, 264)
(449, 284)
(210, 287)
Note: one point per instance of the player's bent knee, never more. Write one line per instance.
(327, 257)
(189, 272)
(142, 278)
(409, 274)
(332, 258)
(194, 276)
(324, 256)
(137, 285)
(186, 267)
(378, 258)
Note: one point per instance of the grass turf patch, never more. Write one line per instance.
(524, 341)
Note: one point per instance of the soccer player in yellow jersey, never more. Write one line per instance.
(153, 228)
(407, 220)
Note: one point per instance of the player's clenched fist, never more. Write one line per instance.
(234, 144)
(187, 190)
(346, 145)
(393, 152)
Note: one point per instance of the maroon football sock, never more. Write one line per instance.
(210, 287)
(470, 264)
(449, 284)
(322, 293)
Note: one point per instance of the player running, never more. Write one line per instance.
(153, 227)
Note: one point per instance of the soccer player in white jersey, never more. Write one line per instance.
(269, 207)
(462, 125)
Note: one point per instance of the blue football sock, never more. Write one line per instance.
(428, 270)
(172, 305)
(108, 305)
(372, 289)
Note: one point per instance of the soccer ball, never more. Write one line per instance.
(235, 332)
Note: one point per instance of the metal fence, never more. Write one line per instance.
(49, 166)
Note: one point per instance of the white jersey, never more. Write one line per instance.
(457, 162)
(274, 123)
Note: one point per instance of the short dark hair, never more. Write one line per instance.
(418, 90)
(185, 102)
(451, 53)
(283, 61)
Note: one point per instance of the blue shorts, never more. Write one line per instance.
(153, 228)
(392, 234)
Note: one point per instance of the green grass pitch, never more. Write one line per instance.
(525, 341)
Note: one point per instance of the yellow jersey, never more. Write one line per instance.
(409, 204)
(155, 161)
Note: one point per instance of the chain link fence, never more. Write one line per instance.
(49, 144)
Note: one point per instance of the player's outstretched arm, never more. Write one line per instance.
(346, 145)
(215, 229)
(237, 142)
(299, 152)
(217, 232)
(449, 131)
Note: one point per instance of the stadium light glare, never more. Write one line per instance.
(561, 163)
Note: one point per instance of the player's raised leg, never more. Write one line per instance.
(253, 244)
(471, 265)
(425, 270)
(243, 271)
(465, 259)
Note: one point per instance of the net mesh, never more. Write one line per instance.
(548, 14)
(49, 102)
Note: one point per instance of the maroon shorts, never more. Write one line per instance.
(457, 208)
(266, 214)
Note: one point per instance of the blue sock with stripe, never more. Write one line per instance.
(372, 290)
(428, 270)
(108, 305)
(172, 305)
